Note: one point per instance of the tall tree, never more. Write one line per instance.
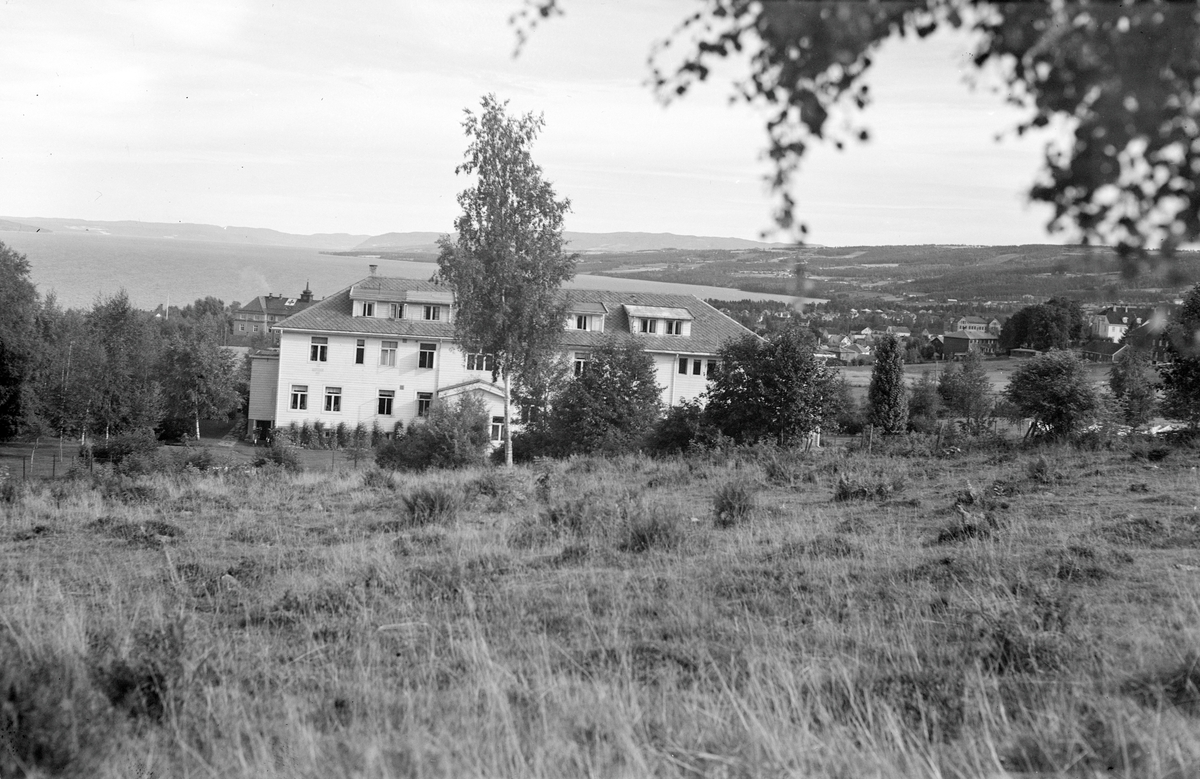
(1055, 391)
(119, 363)
(18, 308)
(507, 263)
(1130, 381)
(1124, 75)
(198, 375)
(1181, 377)
(771, 390)
(887, 396)
(966, 391)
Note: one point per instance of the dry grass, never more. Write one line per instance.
(986, 613)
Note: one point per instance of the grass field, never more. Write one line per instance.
(761, 613)
(999, 372)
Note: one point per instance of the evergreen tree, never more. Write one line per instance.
(1181, 377)
(1130, 381)
(925, 404)
(887, 397)
(507, 262)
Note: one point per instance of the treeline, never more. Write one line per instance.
(111, 369)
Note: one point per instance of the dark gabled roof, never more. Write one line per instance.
(274, 305)
(971, 335)
(710, 329)
(334, 314)
(1106, 348)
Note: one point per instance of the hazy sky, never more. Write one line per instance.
(311, 117)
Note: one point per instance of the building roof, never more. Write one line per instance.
(1103, 347)
(275, 305)
(710, 329)
(1124, 315)
(971, 335)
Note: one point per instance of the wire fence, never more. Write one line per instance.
(38, 464)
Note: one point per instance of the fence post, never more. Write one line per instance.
(332, 459)
(53, 466)
(23, 476)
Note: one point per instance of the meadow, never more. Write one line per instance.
(979, 611)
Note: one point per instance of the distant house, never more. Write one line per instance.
(899, 331)
(959, 343)
(973, 324)
(1152, 335)
(1100, 350)
(1112, 323)
(260, 314)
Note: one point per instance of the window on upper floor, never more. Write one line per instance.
(397, 311)
(368, 308)
(242, 327)
(318, 350)
(649, 325)
(360, 351)
(424, 401)
(387, 354)
(480, 362)
(674, 327)
(433, 313)
(426, 355)
(299, 397)
(581, 361)
(581, 322)
(333, 398)
(385, 402)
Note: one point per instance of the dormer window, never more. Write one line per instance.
(581, 322)
(433, 313)
(650, 326)
(368, 308)
(397, 310)
(674, 327)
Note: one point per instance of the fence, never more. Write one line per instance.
(37, 464)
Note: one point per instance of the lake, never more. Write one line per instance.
(79, 268)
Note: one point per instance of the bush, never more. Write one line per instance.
(116, 449)
(432, 505)
(279, 453)
(683, 429)
(733, 504)
(1055, 390)
(454, 435)
(376, 479)
(654, 529)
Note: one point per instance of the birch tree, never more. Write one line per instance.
(507, 262)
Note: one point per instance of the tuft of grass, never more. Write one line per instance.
(435, 504)
(654, 529)
(848, 488)
(734, 503)
(376, 479)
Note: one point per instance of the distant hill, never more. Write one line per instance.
(577, 242)
(17, 227)
(183, 231)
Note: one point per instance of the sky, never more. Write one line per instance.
(319, 117)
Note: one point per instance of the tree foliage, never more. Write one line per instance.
(1181, 377)
(887, 395)
(18, 342)
(1124, 74)
(507, 261)
(1131, 382)
(966, 391)
(770, 390)
(1054, 390)
(612, 405)
(453, 435)
(1056, 324)
(198, 376)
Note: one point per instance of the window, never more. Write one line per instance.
(333, 398)
(300, 397)
(674, 327)
(319, 351)
(424, 401)
(425, 360)
(385, 402)
(242, 327)
(433, 312)
(581, 361)
(711, 368)
(497, 428)
(368, 308)
(360, 349)
(683, 363)
(649, 325)
(695, 367)
(581, 322)
(256, 328)
(387, 354)
(397, 311)
(480, 362)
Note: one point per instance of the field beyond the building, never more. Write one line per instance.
(972, 612)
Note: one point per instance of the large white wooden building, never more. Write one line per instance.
(383, 351)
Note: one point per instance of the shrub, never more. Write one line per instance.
(454, 435)
(733, 504)
(305, 435)
(432, 505)
(199, 459)
(654, 529)
(849, 488)
(1055, 390)
(116, 449)
(375, 479)
(279, 453)
(341, 436)
(683, 429)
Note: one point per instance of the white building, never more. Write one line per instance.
(383, 350)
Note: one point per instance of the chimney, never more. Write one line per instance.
(373, 269)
